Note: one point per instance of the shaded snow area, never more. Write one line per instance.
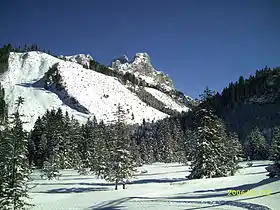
(167, 100)
(97, 92)
(163, 187)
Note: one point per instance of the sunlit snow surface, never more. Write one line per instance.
(162, 187)
(97, 92)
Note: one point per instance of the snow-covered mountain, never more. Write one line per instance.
(47, 82)
(82, 59)
(142, 68)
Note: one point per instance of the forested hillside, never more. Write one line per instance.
(247, 107)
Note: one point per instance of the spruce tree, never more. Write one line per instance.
(73, 137)
(14, 165)
(275, 145)
(101, 144)
(120, 165)
(274, 169)
(51, 166)
(255, 145)
(3, 107)
(234, 154)
(209, 158)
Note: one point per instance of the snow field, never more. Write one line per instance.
(163, 187)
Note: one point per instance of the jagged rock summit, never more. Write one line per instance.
(142, 68)
(83, 59)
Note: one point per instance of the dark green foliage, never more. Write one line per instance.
(215, 152)
(119, 165)
(255, 145)
(247, 103)
(14, 165)
(3, 107)
(274, 169)
(52, 76)
(275, 145)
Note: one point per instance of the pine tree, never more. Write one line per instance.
(14, 167)
(73, 137)
(86, 145)
(120, 165)
(51, 166)
(274, 169)
(275, 145)
(207, 94)
(3, 107)
(209, 158)
(36, 154)
(255, 145)
(101, 144)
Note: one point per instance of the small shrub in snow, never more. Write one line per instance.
(50, 170)
(250, 164)
(274, 170)
(144, 171)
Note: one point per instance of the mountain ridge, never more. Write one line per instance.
(69, 83)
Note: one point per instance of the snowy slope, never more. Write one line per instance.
(100, 94)
(164, 187)
(167, 100)
(24, 70)
(87, 86)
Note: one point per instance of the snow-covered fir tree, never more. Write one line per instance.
(234, 154)
(74, 137)
(275, 145)
(86, 145)
(51, 167)
(144, 139)
(120, 164)
(210, 157)
(14, 166)
(274, 169)
(179, 140)
(101, 144)
(255, 145)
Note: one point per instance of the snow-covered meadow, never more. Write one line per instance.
(163, 186)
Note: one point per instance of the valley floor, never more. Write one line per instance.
(163, 187)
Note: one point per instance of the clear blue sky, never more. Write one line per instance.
(196, 42)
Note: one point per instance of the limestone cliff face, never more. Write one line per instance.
(142, 67)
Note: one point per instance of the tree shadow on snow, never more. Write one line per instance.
(173, 172)
(109, 208)
(263, 172)
(76, 183)
(76, 190)
(244, 186)
(69, 179)
(146, 181)
(110, 205)
(141, 181)
(259, 165)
